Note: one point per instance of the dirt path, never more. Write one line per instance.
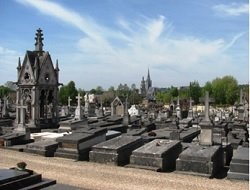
(100, 176)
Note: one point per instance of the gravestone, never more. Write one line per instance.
(178, 109)
(78, 144)
(158, 155)
(126, 116)
(22, 179)
(20, 134)
(78, 111)
(133, 111)
(239, 166)
(45, 148)
(206, 135)
(190, 110)
(201, 160)
(69, 100)
(5, 112)
(117, 107)
(115, 151)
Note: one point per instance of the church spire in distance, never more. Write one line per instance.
(39, 40)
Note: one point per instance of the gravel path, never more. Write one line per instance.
(100, 176)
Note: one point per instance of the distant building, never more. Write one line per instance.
(146, 89)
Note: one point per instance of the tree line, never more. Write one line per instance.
(225, 91)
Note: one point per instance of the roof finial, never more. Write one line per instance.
(39, 40)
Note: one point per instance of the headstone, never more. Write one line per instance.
(158, 155)
(5, 112)
(133, 111)
(206, 135)
(239, 166)
(78, 111)
(178, 109)
(117, 107)
(190, 110)
(115, 151)
(126, 117)
(69, 100)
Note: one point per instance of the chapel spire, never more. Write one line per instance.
(39, 40)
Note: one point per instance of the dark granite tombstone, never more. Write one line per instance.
(115, 151)
(45, 148)
(22, 179)
(200, 160)
(158, 155)
(239, 167)
(78, 144)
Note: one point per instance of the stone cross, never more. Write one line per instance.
(178, 109)
(207, 100)
(22, 115)
(78, 97)
(190, 103)
(206, 135)
(69, 100)
(4, 110)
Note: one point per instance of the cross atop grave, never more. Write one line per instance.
(206, 135)
(191, 103)
(178, 109)
(69, 100)
(21, 123)
(241, 96)
(207, 100)
(4, 110)
(190, 111)
(78, 97)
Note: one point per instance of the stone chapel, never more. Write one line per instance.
(37, 88)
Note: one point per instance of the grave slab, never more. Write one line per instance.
(115, 151)
(78, 144)
(159, 155)
(201, 160)
(239, 167)
(45, 148)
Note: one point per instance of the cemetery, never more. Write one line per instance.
(154, 138)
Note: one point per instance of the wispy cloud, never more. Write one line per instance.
(233, 9)
(123, 53)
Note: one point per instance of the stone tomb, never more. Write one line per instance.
(22, 179)
(158, 155)
(239, 167)
(115, 151)
(45, 148)
(201, 160)
(78, 144)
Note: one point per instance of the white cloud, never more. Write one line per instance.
(8, 63)
(233, 9)
(107, 56)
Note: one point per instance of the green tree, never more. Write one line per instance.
(174, 91)
(66, 91)
(207, 87)
(195, 91)
(224, 90)
(4, 91)
(99, 90)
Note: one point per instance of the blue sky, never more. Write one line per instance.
(108, 42)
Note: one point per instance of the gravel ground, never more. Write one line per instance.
(95, 176)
